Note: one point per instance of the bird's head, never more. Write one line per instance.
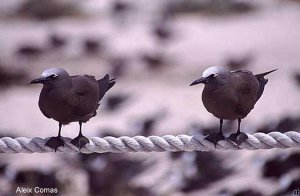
(52, 77)
(211, 75)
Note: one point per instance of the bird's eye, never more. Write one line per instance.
(212, 75)
(52, 76)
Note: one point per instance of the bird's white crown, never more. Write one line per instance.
(51, 71)
(213, 70)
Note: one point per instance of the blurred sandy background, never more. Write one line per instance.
(155, 49)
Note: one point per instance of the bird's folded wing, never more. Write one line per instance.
(241, 72)
(246, 90)
(83, 96)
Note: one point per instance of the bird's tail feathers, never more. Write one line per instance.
(106, 82)
(261, 75)
(262, 82)
(111, 83)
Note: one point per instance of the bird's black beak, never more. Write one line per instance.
(41, 80)
(202, 80)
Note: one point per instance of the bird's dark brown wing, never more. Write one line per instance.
(84, 95)
(246, 88)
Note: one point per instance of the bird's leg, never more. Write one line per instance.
(55, 142)
(80, 141)
(238, 137)
(215, 137)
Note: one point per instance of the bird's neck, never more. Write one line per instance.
(61, 85)
(210, 87)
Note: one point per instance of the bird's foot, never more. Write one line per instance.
(80, 141)
(238, 138)
(55, 142)
(214, 138)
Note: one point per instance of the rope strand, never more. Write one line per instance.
(152, 144)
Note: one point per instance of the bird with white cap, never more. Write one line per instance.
(230, 95)
(67, 99)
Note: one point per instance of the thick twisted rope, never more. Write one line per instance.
(152, 143)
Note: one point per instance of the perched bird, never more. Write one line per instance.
(69, 99)
(230, 95)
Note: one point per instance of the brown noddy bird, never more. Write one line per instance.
(230, 95)
(67, 99)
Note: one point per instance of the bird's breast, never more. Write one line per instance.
(220, 102)
(66, 107)
(55, 106)
(233, 100)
